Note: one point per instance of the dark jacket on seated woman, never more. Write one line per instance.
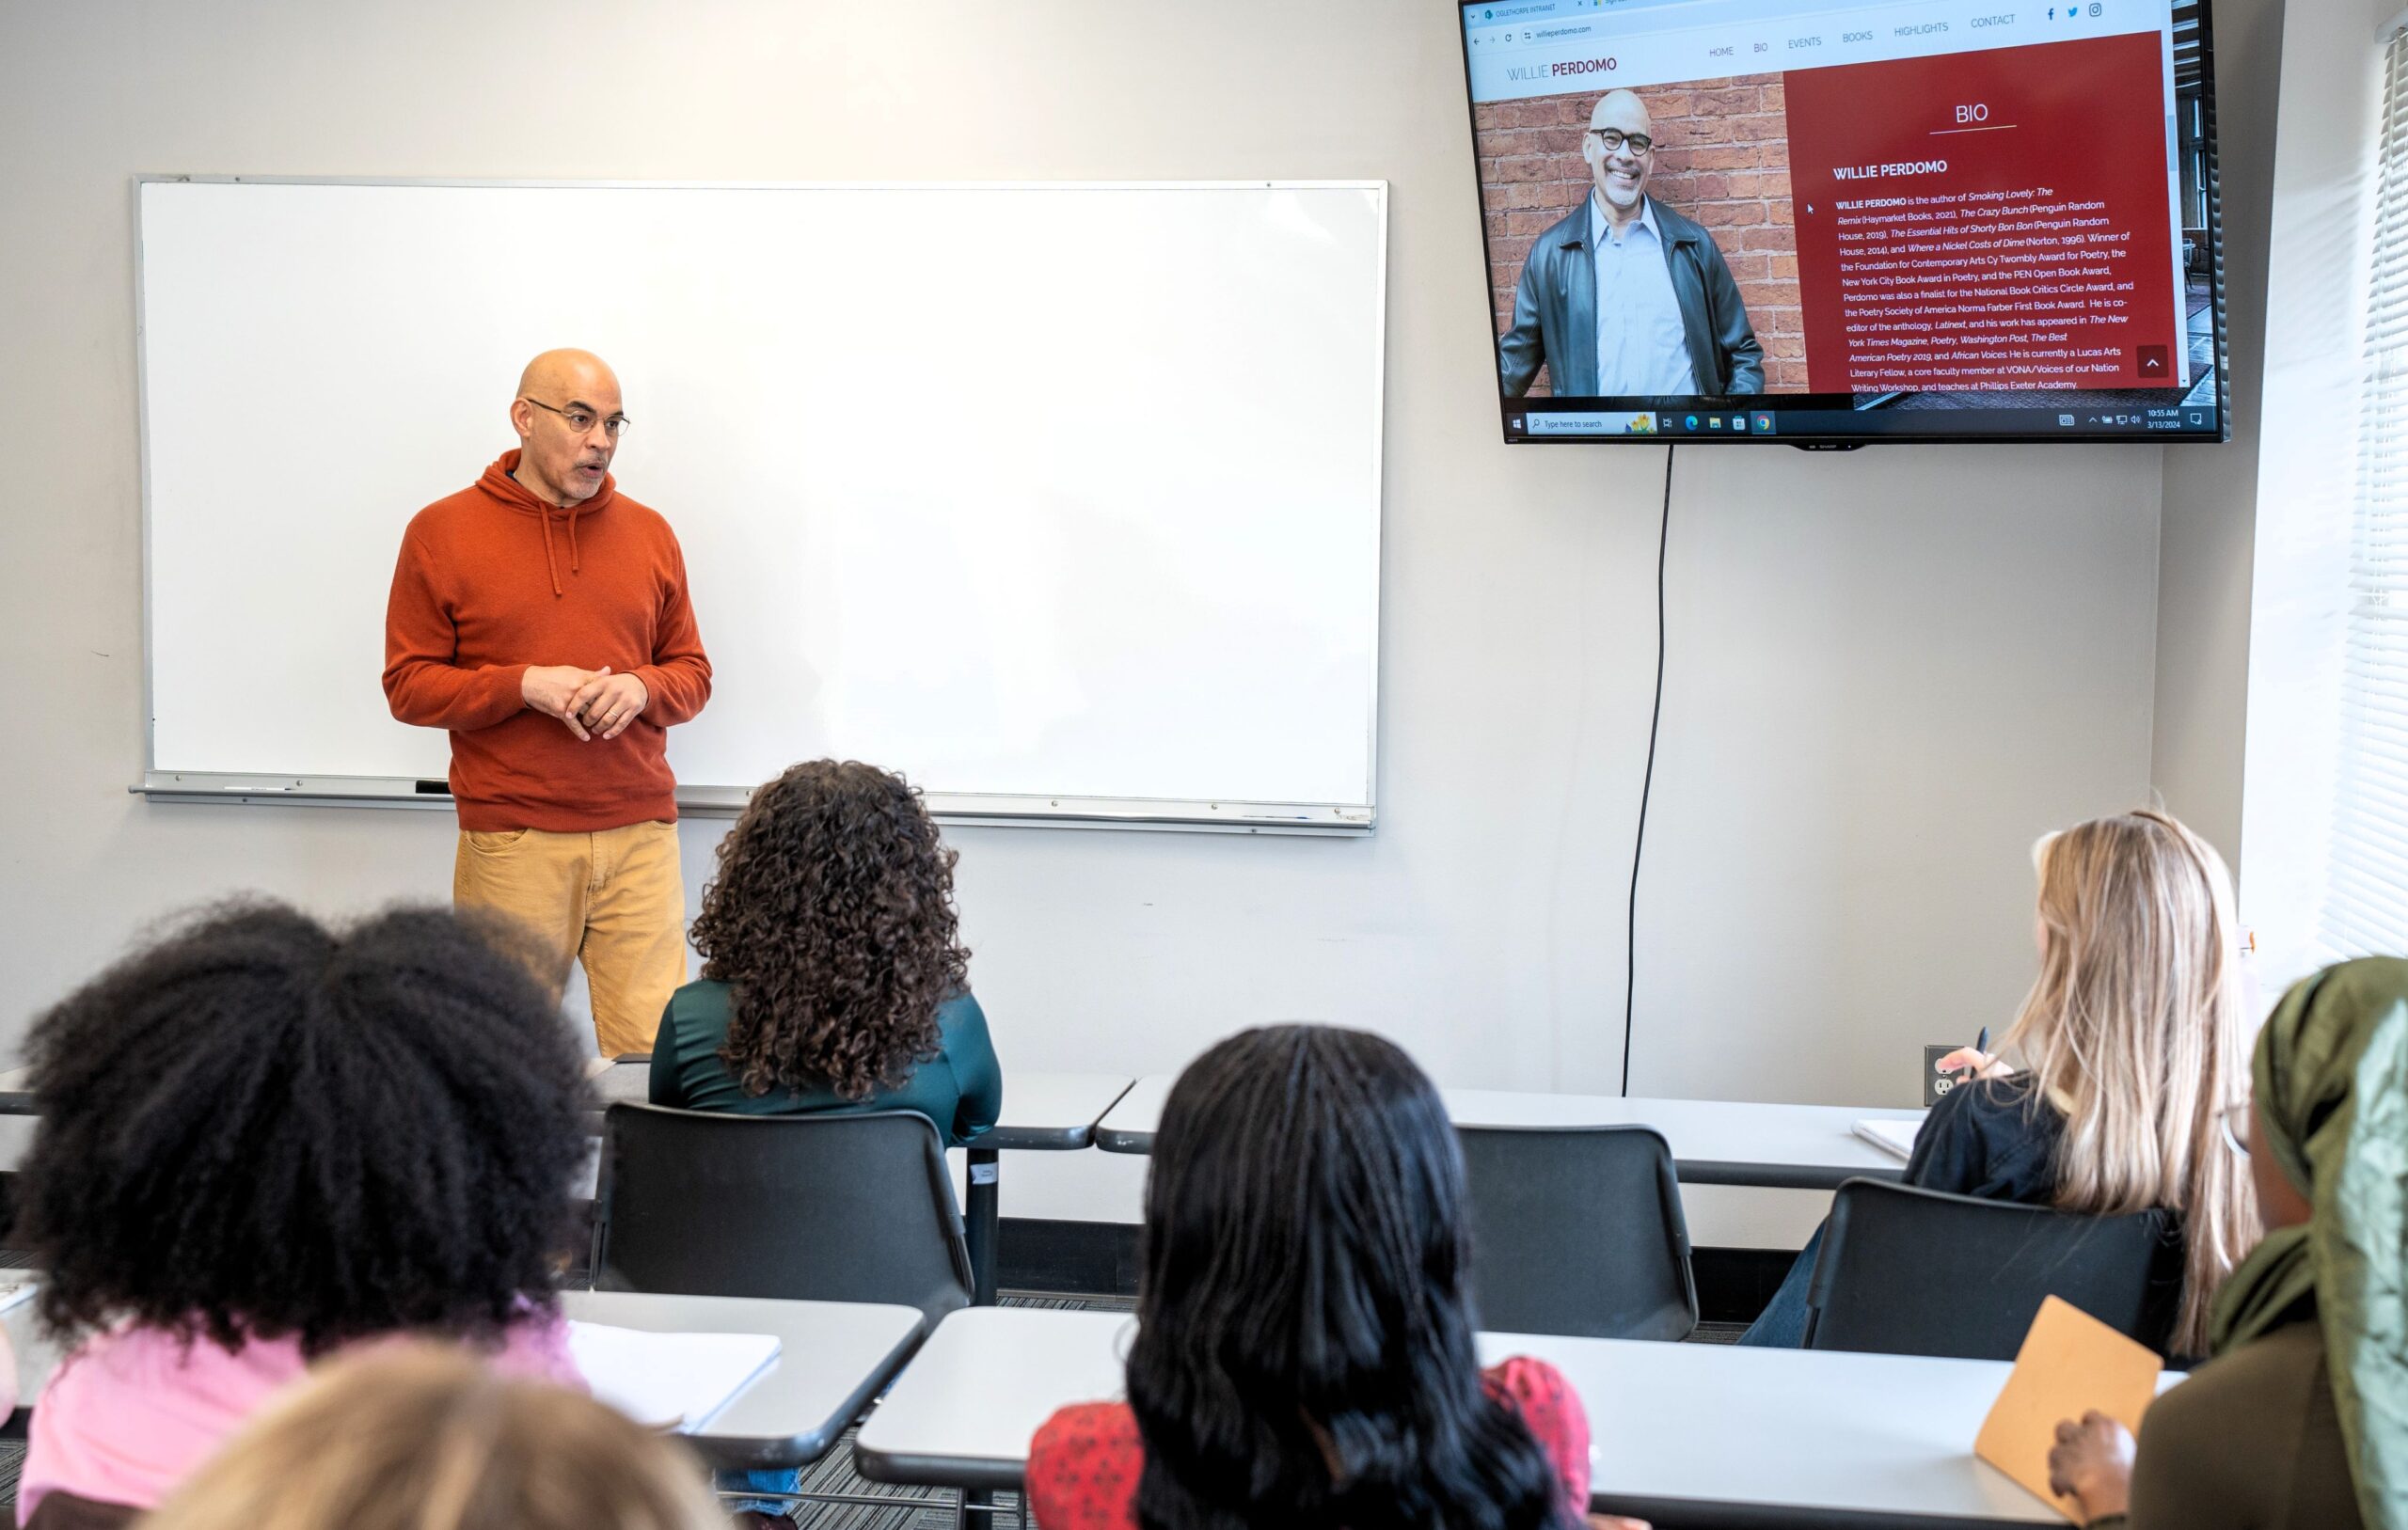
(1990, 1138)
(960, 1088)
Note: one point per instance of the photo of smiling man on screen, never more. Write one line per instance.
(1624, 297)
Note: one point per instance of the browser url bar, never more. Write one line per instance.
(1541, 34)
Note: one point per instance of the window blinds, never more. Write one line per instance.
(2365, 899)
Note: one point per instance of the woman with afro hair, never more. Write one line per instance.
(264, 1141)
(833, 978)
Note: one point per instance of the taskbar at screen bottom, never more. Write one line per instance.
(1723, 420)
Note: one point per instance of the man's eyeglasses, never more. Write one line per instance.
(1611, 139)
(581, 420)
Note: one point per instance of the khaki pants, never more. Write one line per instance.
(612, 899)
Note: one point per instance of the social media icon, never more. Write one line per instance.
(2095, 8)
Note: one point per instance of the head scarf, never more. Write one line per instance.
(2332, 1093)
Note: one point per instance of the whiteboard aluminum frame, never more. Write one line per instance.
(995, 810)
(990, 810)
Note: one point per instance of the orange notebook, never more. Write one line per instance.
(2070, 1363)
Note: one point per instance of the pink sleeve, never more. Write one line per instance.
(537, 1349)
(1552, 1410)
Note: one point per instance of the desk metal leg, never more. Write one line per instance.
(982, 1214)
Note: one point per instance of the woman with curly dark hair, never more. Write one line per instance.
(1304, 1353)
(833, 979)
(264, 1141)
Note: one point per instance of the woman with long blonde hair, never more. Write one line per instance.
(2131, 1043)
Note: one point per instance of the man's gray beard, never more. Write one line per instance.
(1623, 204)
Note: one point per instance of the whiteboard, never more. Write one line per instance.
(1062, 499)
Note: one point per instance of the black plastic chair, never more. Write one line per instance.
(1907, 1271)
(807, 1207)
(1578, 1230)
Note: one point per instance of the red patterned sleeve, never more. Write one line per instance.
(1084, 1465)
(1552, 1410)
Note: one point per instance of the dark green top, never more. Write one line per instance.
(960, 1089)
(2251, 1442)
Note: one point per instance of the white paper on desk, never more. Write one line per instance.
(1897, 1138)
(668, 1380)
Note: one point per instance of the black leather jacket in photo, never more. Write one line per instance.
(1555, 311)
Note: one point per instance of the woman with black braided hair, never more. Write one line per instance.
(1304, 1354)
(264, 1141)
(833, 978)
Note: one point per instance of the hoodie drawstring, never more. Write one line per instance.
(544, 519)
(572, 536)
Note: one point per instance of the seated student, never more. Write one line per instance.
(1303, 1349)
(2296, 1422)
(416, 1437)
(832, 981)
(2134, 1033)
(833, 978)
(264, 1141)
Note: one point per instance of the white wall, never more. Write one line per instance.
(2205, 546)
(1888, 671)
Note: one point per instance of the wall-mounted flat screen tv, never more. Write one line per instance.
(1826, 224)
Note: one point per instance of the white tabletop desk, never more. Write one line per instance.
(1043, 1112)
(1682, 1432)
(37, 1357)
(1714, 1141)
(832, 1358)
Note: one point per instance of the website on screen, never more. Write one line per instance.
(1928, 204)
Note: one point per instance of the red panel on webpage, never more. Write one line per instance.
(1985, 220)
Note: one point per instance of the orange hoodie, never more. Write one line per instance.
(492, 580)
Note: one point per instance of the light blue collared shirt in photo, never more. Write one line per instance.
(1642, 346)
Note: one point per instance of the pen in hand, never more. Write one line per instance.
(1972, 1061)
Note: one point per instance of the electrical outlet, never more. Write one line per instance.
(1936, 1083)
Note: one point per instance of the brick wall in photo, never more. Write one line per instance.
(1722, 160)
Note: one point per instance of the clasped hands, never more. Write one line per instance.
(592, 704)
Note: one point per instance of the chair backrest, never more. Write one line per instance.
(816, 1207)
(1909, 1271)
(1577, 1230)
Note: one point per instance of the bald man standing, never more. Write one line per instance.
(1624, 297)
(541, 617)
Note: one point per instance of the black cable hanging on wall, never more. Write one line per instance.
(1646, 782)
